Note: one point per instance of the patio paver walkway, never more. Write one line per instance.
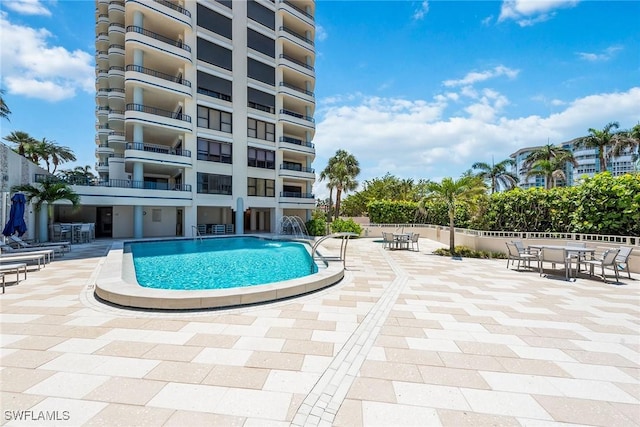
(407, 338)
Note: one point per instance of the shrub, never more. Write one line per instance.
(465, 252)
(316, 227)
(345, 226)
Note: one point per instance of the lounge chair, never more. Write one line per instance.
(60, 247)
(8, 268)
(40, 258)
(6, 250)
(608, 259)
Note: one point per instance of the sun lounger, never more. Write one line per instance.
(8, 268)
(41, 259)
(8, 250)
(59, 247)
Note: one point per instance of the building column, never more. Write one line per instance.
(137, 222)
(239, 215)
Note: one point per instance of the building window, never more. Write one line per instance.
(261, 130)
(214, 119)
(213, 21)
(214, 184)
(214, 54)
(261, 43)
(261, 187)
(265, 159)
(214, 151)
(259, 13)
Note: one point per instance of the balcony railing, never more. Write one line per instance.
(214, 94)
(297, 115)
(297, 195)
(295, 61)
(159, 37)
(174, 7)
(158, 74)
(117, 183)
(296, 35)
(296, 141)
(293, 6)
(156, 148)
(296, 167)
(261, 107)
(296, 88)
(158, 112)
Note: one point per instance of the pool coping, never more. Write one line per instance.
(116, 283)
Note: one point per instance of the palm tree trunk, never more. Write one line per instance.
(329, 213)
(452, 232)
(603, 162)
(338, 195)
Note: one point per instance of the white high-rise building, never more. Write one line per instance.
(204, 117)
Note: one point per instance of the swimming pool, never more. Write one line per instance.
(218, 263)
(116, 283)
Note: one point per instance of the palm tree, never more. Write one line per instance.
(601, 140)
(326, 174)
(48, 191)
(497, 174)
(627, 141)
(78, 175)
(24, 142)
(53, 153)
(341, 171)
(4, 109)
(548, 161)
(464, 190)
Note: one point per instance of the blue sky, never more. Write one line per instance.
(419, 89)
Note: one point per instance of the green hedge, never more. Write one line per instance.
(600, 205)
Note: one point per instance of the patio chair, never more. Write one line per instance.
(622, 260)
(414, 241)
(514, 254)
(59, 247)
(578, 256)
(606, 260)
(387, 240)
(555, 256)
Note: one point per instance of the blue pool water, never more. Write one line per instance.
(218, 263)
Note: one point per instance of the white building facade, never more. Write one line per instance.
(204, 117)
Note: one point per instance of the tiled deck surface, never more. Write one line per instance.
(407, 338)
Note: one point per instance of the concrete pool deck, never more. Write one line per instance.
(406, 338)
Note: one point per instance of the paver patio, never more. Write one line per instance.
(407, 338)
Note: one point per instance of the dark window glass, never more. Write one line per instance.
(214, 86)
(214, 151)
(214, 119)
(261, 14)
(261, 130)
(214, 54)
(259, 158)
(213, 21)
(261, 187)
(261, 101)
(227, 3)
(261, 43)
(214, 184)
(261, 72)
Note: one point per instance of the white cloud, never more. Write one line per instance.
(605, 55)
(479, 76)
(530, 12)
(321, 33)
(33, 68)
(27, 7)
(417, 139)
(422, 11)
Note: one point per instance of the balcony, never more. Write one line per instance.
(116, 6)
(104, 148)
(116, 50)
(296, 64)
(296, 92)
(103, 19)
(298, 37)
(158, 112)
(117, 183)
(296, 11)
(158, 117)
(102, 40)
(214, 94)
(175, 7)
(145, 39)
(116, 29)
(116, 115)
(102, 57)
(115, 137)
(157, 79)
(157, 154)
(116, 75)
(292, 170)
(266, 108)
(301, 197)
(158, 74)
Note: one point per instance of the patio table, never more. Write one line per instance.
(579, 251)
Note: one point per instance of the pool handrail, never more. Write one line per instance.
(343, 246)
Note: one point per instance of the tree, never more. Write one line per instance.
(79, 175)
(4, 109)
(462, 191)
(25, 143)
(549, 161)
(627, 141)
(48, 191)
(326, 175)
(53, 154)
(601, 140)
(341, 172)
(497, 174)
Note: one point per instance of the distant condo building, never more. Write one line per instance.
(588, 165)
(204, 117)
